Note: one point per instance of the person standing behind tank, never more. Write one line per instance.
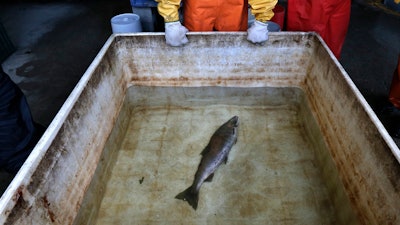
(211, 15)
(329, 18)
(18, 132)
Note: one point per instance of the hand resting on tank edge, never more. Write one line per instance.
(258, 32)
(175, 34)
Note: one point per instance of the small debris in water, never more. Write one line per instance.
(141, 180)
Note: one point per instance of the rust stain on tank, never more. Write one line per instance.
(46, 205)
(18, 195)
(21, 206)
(149, 80)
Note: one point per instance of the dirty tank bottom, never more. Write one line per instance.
(279, 172)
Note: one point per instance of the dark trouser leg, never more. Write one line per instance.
(16, 126)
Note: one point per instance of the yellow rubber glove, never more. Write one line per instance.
(262, 9)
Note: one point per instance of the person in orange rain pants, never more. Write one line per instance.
(329, 18)
(215, 15)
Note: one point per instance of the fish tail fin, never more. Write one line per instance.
(189, 196)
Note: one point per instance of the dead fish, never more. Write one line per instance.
(213, 154)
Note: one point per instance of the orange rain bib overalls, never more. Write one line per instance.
(220, 15)
(216, 15)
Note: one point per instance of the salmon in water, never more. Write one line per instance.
(214, 154)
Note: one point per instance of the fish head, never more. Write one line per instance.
(233, 122)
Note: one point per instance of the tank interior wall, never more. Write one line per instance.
(366, 165)
(226, 60)
(89, 208)
(338, 197)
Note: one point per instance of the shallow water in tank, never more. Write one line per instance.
(279, 171)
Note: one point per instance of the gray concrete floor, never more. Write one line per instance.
(57, 40)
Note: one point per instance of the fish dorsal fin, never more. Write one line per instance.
(205, 150)
(210, 178)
